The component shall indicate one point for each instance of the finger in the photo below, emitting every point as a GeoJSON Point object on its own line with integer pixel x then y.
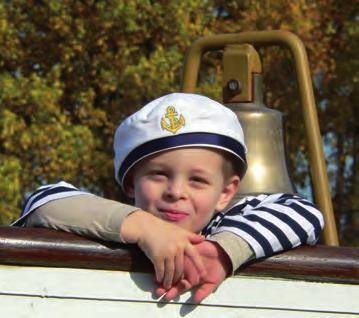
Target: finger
{"type": "Point", "coordinates": [182, 286]}
{"type": "Point", "coordinates": [203, 291]}
{"type": "Point", "coordinates": [190, 272]}
{"type": "Point", "coordinates": [178, 273]}
{"type": "Point", "coordinates": [160, 291]}
{"type": "Point", "coordinates": [159, 270]}
{"type": "Point", "coordinates": [192, 253]}
{"type": "Point", "coordinates": [169, 273]}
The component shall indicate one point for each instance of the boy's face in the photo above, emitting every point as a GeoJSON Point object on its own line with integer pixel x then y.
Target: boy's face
{"type": "Point", "coordinates": [185, 186]}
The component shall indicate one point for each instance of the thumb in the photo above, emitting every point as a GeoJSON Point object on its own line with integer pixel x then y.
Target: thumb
{"type": "Point", "coordinates": [195, 238]}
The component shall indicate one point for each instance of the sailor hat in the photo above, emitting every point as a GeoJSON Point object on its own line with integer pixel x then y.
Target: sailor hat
{"type": "Point", "coordinates": [174, 121]}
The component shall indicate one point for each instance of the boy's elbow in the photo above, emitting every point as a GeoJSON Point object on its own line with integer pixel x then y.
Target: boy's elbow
{"type": "Point", "coordinates": [317, 229]}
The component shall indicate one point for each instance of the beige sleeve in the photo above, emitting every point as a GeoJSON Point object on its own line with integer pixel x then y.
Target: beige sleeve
{"type": "Point", "coordinates": [236, 248]}
{"type": "Point", "coordinates": [87, 215]}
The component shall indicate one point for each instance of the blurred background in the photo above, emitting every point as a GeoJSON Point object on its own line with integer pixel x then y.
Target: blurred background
{"type": "Point", "coordinates": [70, 71]}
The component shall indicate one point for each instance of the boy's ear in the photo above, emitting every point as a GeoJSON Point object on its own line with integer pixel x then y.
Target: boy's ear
{"type": "Point", "coordinates": [229, 190]}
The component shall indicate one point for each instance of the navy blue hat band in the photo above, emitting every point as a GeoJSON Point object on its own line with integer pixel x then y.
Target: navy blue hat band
{"type": "Point", "coordinates": [183, 140]}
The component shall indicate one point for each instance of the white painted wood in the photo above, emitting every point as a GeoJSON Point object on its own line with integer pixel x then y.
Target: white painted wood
{"type": "Point", "coordinates": [60, 292]}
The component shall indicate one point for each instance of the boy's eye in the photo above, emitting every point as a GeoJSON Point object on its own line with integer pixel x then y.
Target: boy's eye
{"type": "Point", "coordinates": [201, 180]}
{"type": "Point", "coordinates": [157, 173]}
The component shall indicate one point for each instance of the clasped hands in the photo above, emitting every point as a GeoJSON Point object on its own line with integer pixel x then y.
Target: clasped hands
{"type": "Point", "coordinates": [181, 259]}
{"type": "Point", "coordinates": [217, 266]}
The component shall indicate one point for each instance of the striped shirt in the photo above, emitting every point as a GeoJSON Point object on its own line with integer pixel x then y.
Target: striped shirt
{"type": "Point", "coordinates": [268, 223]}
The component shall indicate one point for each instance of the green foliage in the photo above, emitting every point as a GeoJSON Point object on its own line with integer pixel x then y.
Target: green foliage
{"type": "Point", "coordinates": [71, 70]}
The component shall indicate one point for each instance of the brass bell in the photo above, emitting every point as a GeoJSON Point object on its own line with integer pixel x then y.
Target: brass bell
{"type": "Point", "coordinates": [263, 127]}
{"type": "Point", "coordinates": [263, 132]}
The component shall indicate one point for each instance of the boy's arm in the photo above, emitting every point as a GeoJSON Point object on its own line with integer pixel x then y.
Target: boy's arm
{"type": "Point", "coordinates": [270, 223]}
{"type": "Point", "coordinates": [264, 224]}
{"type": "Point", "coordinates": [62, 206]}
{"type": "Point", "coordinates": [92, 216]}
{"type": "Point", "coordinates": [237, 249]}
{"type": "Point", "coordinates": [84, 214]}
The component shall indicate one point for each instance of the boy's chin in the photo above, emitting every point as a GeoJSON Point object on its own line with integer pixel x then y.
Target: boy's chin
{"type": "Point", "coordinates": [181, 223]}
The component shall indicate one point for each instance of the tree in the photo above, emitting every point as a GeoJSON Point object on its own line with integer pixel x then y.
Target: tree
{"type": "Point", "coordinates": [69, 72]}
{"type": "Point", "coordinates": [339, 97]}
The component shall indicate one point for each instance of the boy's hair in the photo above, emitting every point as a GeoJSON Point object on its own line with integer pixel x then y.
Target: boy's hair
{"type": "Point", "coordinates": [229, 165]}
{"type": "Point", "coordinates": [175, 121]}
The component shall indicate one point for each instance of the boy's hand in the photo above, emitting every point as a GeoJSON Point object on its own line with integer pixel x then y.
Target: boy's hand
{"type": "Point", "coordinates": [165, 244]}
{"type": "Point", "coordinates": [218, 266]}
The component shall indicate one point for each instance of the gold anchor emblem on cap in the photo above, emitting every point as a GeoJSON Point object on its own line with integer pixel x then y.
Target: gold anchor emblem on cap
{"type": "Point", "coordinates": [174, 123]}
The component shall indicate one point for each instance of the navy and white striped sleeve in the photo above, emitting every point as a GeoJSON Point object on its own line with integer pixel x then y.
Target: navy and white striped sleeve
{"type": "Point", "coordinates": [45, 194]}
{"type": "Point", "coordinates": [271, 223]}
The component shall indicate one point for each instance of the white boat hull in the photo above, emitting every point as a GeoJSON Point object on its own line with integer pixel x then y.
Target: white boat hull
{"type": "Point", "coordinates": [69, 292]}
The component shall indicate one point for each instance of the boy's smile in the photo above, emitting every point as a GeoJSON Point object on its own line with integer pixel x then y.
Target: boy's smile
{"type": "Point", "coordinates": [185, 186]}
{"type": "Point", "coordinates": [173, 215]}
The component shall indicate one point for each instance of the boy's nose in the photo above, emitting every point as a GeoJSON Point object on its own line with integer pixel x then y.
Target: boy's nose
{"type": "Point", "coordinates": [175, 190]}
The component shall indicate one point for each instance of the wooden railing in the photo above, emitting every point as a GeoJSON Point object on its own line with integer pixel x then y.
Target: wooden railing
{"type": "Point", "coordinates": [44, 247]}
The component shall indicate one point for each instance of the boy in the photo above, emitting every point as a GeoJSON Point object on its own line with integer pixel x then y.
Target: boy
{"type": "Point", "coordinates": [181, 158]}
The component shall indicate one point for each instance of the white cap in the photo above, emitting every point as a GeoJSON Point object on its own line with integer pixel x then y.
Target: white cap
{"type": "Point", "coordinates": [174, 121]}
